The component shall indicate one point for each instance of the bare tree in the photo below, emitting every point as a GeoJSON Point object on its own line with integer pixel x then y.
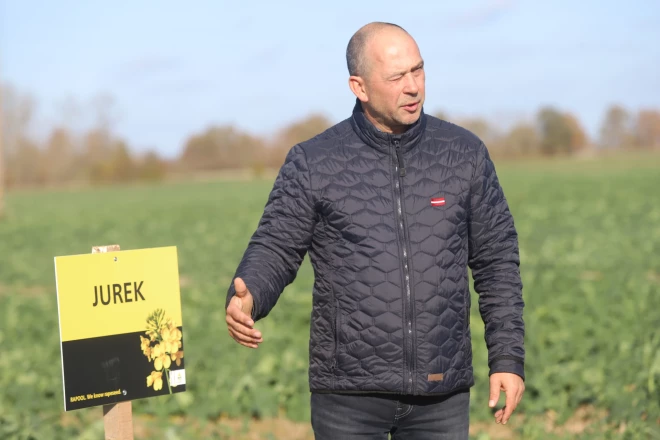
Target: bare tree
{"type": "Point", "coordinates": [221, 147]}
{"type": "Point", "coordinates": [648, 129]}
{"type": "Point", "coordinates": [294, 133]}
{"type": "Point", "coordinates": [522, 140]}
{"type": "Point", "coordinates": [555, 131]}
{"type": "Point", "coordinates": [480, 127]}
{"type": "Point", "coordinates": [616, 130]}
{"type": "Point", "coordinates": [578, 140]}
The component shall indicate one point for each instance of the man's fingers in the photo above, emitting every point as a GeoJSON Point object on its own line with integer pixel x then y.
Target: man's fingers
{"type": "Point", "coordinates": [234, 311]}
{"type": "Point", "coordinates": [513, 388]}
{"type": "Point", "coordinates": [240, 287]}
{"type": "Point", "coordinates": [247, 344]}
{"type": "Point", "coordinates": [240, 327]}
{"type": "Point", "coordinates": [248, 332]}
{"type": "Point", "coordinates": [521, 391]}
{"type": "Point", "coordinates": [242, 339]}
{"type": "Point", "coordinates": [239, 323]}
{"type": "Point", "coordinates": [239, 330]}
{"type": "Point", "coordinates": [511, 397]}
{"type": "Point", "coordinates": [243, 298]}
{"type": "Point", "coordinates": [495, 386]}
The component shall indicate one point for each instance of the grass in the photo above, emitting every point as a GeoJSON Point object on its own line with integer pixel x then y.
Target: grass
{"type": "Point", "coordinates": [590, 248]}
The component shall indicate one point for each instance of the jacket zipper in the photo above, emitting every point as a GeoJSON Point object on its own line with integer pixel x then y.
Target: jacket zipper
{"type": "Point", "coordinates": [408, 311]}
{"type": "Point", "coordinates": [335, 331]}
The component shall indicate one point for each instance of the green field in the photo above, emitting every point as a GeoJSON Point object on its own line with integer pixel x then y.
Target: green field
{"type": "Point", "coordinates": [590, 249]}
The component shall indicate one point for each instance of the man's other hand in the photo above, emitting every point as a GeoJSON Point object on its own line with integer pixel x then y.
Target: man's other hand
{"type": "Point", "coordinates": [239, 317]}
{"type": "Point", "coordinates": [513, 386]}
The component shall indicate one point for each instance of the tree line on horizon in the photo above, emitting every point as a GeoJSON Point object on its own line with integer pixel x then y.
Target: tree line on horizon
{"type": "Point", "coordinates": [97, 155]}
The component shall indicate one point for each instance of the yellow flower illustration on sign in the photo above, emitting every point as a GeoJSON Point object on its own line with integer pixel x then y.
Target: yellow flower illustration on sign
{"type": "Point", "coordinates": [176, 357]}
{"type": "Point", "coordinates": [146, 348]}
{"type": "Point", "coordinates": [163, 346]}
{"type": "Point", "coordinates": [155, 379]}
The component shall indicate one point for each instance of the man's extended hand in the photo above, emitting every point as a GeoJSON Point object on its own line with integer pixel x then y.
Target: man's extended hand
{"type": "Point", "coordinates": [513, 386]}
{"type": "Point", "coordinates": [239, 317]}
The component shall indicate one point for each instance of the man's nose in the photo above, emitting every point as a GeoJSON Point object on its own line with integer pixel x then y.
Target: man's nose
{"type": "Point", "coordinates": [411, 87]}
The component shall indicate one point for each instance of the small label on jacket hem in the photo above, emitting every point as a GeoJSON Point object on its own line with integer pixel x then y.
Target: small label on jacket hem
{"type": "Point", "coordinates": [436, 377]}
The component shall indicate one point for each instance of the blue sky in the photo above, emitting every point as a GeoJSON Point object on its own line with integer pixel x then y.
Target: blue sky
{"type": "Point", "coordinates": [173, 69]}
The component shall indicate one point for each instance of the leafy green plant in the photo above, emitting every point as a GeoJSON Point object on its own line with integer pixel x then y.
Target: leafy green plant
{"type": "Point", "coordinates": [590, 250]}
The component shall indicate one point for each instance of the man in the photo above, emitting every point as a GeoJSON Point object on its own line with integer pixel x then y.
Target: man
{"type": "Point", "coordinates": [393, 206]}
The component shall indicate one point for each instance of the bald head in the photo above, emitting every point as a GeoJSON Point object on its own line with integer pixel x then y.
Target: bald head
{"type": "Point", "coordinates": [386, 75]}
{"type": "Point", "coordinates": [356, 53]}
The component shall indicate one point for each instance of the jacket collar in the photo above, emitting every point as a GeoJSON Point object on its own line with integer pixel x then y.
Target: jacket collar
{"type": "Point", "coordinates": [382, 141]}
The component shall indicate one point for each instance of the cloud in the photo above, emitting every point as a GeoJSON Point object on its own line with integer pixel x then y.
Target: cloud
{"type": "Point", "coordinates": [483, 14]}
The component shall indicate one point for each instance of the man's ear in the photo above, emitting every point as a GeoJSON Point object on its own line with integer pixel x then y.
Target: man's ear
{"type": "Point", "coordinates": [358, 88]}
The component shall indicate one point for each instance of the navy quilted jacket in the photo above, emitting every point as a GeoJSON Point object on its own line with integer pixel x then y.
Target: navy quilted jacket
{"type": "Point", "coordinates": [391, 224]}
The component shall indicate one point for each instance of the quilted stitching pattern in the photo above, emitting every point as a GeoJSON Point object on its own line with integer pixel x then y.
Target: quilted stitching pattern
{"type": "Point", "coordinates": [334, 199]}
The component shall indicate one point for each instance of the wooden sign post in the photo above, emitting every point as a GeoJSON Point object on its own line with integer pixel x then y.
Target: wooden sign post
{"type": "Point", "coordinates": [121, 331]}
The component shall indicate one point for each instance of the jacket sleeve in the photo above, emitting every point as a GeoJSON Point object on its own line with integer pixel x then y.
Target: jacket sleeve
{"type": "Point", "coordinates": [494, 260]}
{"type": "Point", "coordinates": [282, 238]}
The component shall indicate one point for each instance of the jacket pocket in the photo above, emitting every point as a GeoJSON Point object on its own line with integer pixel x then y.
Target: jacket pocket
{"type": "Point", "coordinates": [467, 318]}
{"type": "Point", "coordinates": [335, 330]}
{"type": "Point", "coordinates": [467, 306]}
{"type": "Point", "coordinates": [467, 344]}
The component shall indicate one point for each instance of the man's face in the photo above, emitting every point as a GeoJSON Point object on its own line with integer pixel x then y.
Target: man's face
{"type": "Point", "coordinates": [394, 82]}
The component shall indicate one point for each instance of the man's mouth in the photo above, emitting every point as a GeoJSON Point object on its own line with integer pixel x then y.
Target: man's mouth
{"type": "Point", "coordinates": [411, 107]}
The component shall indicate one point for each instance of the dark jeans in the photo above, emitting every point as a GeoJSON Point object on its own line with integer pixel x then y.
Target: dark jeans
{"type": "Point", "coordinates": [374, 416]}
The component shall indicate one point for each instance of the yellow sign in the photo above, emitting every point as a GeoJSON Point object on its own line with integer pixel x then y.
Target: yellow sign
{"type": "Point", "coordinates": [120, 325]}
{"type": "Point", "coordinates": [110, 293]}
